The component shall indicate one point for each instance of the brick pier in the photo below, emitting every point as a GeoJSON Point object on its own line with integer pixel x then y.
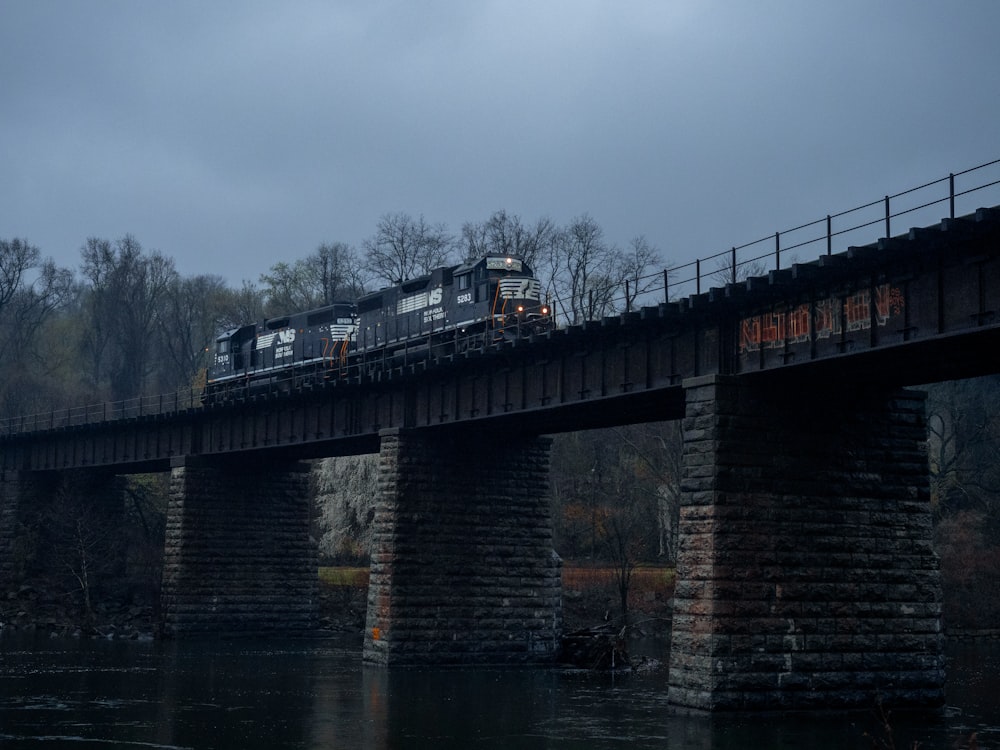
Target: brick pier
{"type": "Point", "coordinates": [806, 575]}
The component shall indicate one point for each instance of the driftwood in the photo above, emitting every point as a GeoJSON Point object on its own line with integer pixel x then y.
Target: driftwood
{"type": "Point", "coordinates": [601, 647]}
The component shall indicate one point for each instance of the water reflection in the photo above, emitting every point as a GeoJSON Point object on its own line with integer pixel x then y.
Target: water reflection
{"type": "Point", "coordinates": [304, 694]}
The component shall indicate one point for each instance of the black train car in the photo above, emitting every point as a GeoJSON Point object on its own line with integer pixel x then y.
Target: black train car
{"type": "Point", "coordinates": [453, 308]}
{"type": "Point", "coordinates": [460, 307]}
{"type": "Point", "coordinates": [273, 351]}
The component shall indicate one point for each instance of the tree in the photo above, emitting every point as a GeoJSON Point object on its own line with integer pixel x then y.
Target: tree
{"type": "Point", "coordinates": [506, 234]}
{"type": "Point", "coordinates": [404, 248]}
{"type": "Point", "coordinates": [125, 294]}
{"type": "Point", "coordinates": [640, 270]}
{"type": "Point", "coordinates": [241, 306]}
{"type": "Point", "coordinates": [733, 273]}
{"type": "Point", "coordinates": [346, 490]}
{"type": "Point", "coordinates": [964, 446]}
{"type": "Point", "coordinates": [586, 274]}
{"type": "Point", "coordinates": [964, 454]}
{"type": "Point", "coordinates": [194, 307]}
{"type": "Point", "coordinates": [32, 290]}
{"type": "Point", "coordinates": [333, 273]}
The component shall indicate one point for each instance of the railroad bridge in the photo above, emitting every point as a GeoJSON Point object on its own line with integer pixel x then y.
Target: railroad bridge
{"type": "Point", "coordinates": [806, 576]}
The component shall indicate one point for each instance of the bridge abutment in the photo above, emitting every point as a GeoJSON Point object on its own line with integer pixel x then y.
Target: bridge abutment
{"type": "Point", "coordinates": [463, 569]}
{"type": "Point", "coordinates": [238, 557]}
{"type": "Point", "coordinates": [806, 575]}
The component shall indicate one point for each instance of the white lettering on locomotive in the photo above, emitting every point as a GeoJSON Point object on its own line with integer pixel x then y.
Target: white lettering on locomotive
{"type": "Point", "coordinates": [284, 336]}
{"type": "Point", "coordinates": [436, 314]}
{"type": "Point", "coordinates": [419, 301]}
{"type": "Point", "coordinates": [520, 289]}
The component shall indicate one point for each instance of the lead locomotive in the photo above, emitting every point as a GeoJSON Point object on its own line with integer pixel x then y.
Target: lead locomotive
{"type": "Point", "coordinates": [450, 310]}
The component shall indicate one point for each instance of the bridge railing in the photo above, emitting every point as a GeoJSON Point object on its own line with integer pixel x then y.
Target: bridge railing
{"type": "Point", "coordinates": [131, 408]}
{"type": "Point", "coordinates": [920, 205]}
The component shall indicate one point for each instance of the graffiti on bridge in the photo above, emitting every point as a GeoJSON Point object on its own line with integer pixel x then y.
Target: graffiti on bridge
{"type": "Point", "coordinates": [827, 317]}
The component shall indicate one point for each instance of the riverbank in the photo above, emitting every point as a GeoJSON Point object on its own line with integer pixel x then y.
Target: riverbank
{"type": "Point", "coordinates": [590, 600]}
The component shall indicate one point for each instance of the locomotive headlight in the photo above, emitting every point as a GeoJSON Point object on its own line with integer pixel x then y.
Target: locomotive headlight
{"type": "Point", "coordinates": [545, 309]}
{"type": "Point", "coordinates": [520, 308]}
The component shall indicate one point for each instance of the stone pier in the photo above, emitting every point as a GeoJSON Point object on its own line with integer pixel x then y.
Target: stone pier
{"type": "Point", "coordinates": [238, 557]}
{"type": "Point", "coordinates": [463, 570]}
{"type": "Point", "coordinates": [806, 575]}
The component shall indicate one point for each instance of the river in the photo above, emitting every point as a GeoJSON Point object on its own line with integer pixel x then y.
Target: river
{"type": "Point", "coordinates": [80, 693]}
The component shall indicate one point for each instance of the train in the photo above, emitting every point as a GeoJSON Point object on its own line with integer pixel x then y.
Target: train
{"type": "Point", "coordinates": [452, 309]}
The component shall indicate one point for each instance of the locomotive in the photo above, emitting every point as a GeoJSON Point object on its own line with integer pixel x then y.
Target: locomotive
{"type": "Point", "coordinates": [452, 309]}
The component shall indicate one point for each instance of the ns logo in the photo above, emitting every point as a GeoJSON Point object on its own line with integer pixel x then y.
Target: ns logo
{"type": "Point", "coordinates": [286, 336]}
{"type": "Point", "coordinates": [435, 296]}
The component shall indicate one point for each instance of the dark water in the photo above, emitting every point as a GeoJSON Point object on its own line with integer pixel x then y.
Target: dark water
{"type": "Point", "coordinates": [316, 694]}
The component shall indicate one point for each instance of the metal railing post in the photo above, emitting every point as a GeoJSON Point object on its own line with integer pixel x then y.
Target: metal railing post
{"type": "Point", "coordinates": [829, 235]}
{"type": "Point", "coordinates": [697, 276]}
{"type": "Point", "coordinates": [733, 263]}
{"type": "Point", "coordinates": [777, 251]}
{"type": "Point", "coordinates": [888, 232]}
{"type": "Point", "coordinates": [951, 194]}
{"type": "Point", "coordinates": [666, 286]}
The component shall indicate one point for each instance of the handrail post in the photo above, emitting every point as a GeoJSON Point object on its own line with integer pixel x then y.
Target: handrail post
{"type": "Point", "coordinates": [666, 286]}
{"type": "Point", "coordinates": [697, 276]}
{"type": "Point", "coordinates": [733, 262]}
{"type": "Point", "coordinates": [628, 301]}
{"type": "Point", "coordinates": [888, 232]}
{"type": "Point", "coordinates": [951, 193]}
{"type": "Point", "coordinates": [829, 235]}
{"type": "Point", "coordinates": [777, 251]}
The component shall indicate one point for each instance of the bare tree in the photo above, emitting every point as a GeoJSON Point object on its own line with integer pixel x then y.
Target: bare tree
{"type": "Point", "coordinates": [195, 308]}
{"type": "Point", "coordinates": [346, 489]}
{"type": "Point", "coordinates": [333, 273]}
{"type": "Point", "coordinates": [582, 269]}
{"type": "Point", "coordinates": [126, 290]}
{"type": "Point", "coordinates": [404, 248]}
{"type": "Point", "coordinates": [31, 291]}
{"type": "Point", "coordinates": [641, 270]}
{"type": "Point", "coordinates": [507, 234]}
{"type": "Point", "coordinates": [240, 306]}
{"type": "Point", "coordinates": [733, 272]}
{"type": "Point", "coordinates": [27, 297]}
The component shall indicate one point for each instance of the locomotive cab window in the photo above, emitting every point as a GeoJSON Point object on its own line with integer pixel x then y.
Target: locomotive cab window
{"type": "Point", "coordinates": [222, 347]}
{"type": "Point", "coordinates": [464, 281]}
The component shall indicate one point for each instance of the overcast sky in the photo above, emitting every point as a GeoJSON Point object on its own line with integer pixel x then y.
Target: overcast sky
{"type": "Point", "coordinates": [231, 135]}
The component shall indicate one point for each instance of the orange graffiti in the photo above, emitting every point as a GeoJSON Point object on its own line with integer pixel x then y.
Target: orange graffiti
{"type": "Point", "coordinates": [823, 318]}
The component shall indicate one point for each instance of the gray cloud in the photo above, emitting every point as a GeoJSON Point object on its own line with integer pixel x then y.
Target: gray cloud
{"type": "Point", "coordinates": [230, 135]}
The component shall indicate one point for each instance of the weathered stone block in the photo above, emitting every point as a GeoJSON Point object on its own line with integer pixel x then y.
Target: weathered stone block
{"type": "Point", "coordinates": [463, 551]}
{"type": "Point", "coordinates": [804, 521]}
